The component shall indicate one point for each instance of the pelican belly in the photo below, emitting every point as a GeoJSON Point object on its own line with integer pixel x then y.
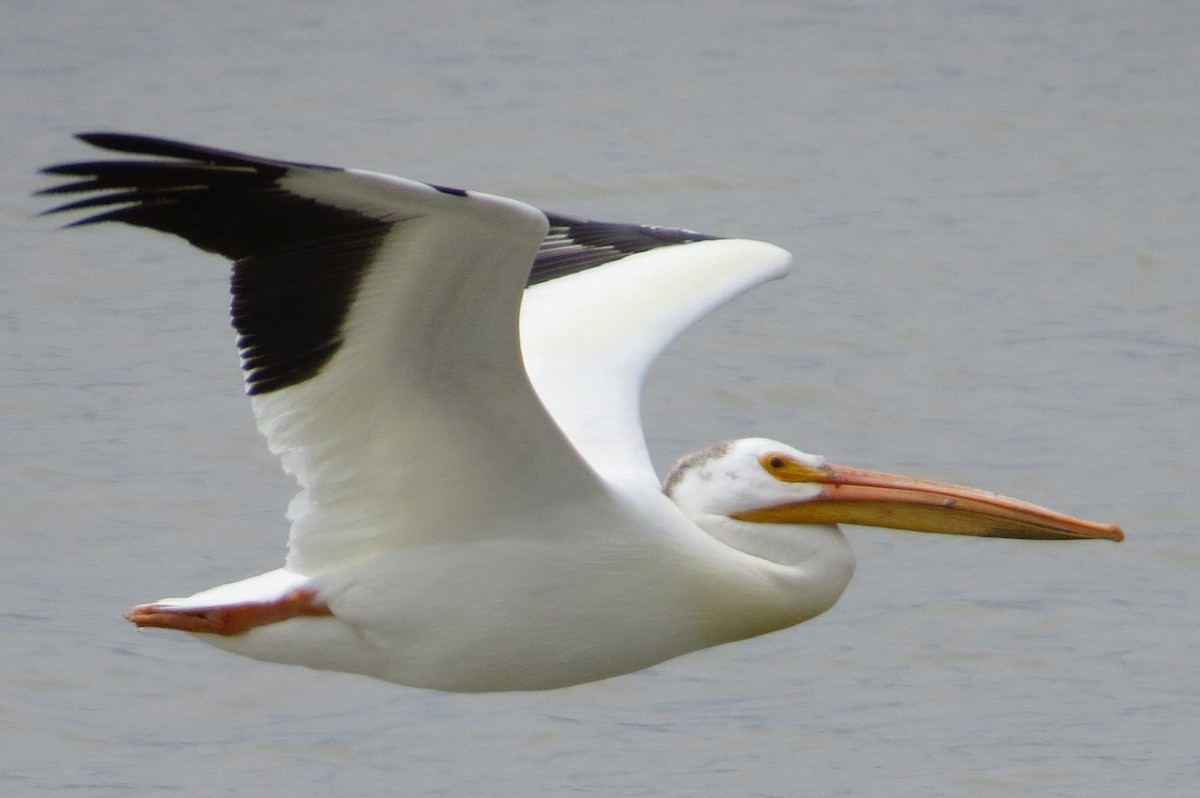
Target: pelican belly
{"type": "Point", "coordinates": [512, 614]}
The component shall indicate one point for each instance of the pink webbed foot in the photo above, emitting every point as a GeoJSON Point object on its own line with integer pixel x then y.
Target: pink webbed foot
{"type": "Point", "coordinates": [228, 619]}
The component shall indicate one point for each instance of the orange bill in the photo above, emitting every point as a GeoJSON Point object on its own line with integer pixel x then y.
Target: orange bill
{"type": "Point", "coordinates": [875, 498]}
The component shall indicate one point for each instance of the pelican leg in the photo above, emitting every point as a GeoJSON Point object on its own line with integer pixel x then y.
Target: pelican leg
{"type": "Point", "coordinates": [228, 619]}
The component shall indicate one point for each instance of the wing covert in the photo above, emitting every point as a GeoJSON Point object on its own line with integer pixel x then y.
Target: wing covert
{"type": "Point", "coordinates": [589, 337]}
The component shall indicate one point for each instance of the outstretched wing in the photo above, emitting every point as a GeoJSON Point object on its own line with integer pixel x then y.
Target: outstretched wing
{"type": "Point", "coordinates": [620, 295]}
{"type": "Point", "coordinates": [377, 323]}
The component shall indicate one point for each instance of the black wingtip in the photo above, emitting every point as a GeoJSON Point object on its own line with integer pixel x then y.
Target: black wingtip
{"type": "Point", "coordinates": [137, 144]}
{"type": "Point", "coordinates": [98, 137]}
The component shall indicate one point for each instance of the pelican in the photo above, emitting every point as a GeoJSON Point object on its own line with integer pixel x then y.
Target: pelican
{"type": "Point", "coordinates": [453, 378]}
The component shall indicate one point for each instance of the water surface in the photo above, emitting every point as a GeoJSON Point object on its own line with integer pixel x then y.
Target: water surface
{"type": "Point", "coordinates": [994, 212]}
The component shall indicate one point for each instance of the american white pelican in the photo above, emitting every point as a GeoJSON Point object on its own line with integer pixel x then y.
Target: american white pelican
{"type": "Point", "coordinates": [477, 509]}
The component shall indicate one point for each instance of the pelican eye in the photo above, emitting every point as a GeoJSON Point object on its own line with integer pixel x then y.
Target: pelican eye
{"type": "Point", "coordinates": [788, 469]}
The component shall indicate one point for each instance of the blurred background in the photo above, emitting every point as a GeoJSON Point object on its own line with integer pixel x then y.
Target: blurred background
{"type": "Point", "coordinates": [993, 208]}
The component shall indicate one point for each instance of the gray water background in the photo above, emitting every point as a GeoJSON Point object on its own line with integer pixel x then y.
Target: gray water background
{"type": "Point", "coordinates": [993, 208]}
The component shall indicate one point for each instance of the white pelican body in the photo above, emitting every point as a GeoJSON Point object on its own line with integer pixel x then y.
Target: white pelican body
{"type": "Point", "coordinates": [514, 611]}
{"type": "Point", "coordinates": [477, 508]}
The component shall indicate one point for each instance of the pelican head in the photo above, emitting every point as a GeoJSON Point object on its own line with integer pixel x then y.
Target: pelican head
{"type": "Point", "coordinates": [761, 481]}
{"type": "Point", "coordinates": [809, 564]}
{"type": "Point", "coordinates": [782, 506]}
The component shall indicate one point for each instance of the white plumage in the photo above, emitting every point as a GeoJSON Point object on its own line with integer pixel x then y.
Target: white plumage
{"type": "Point", "coordinates": [453, 378]}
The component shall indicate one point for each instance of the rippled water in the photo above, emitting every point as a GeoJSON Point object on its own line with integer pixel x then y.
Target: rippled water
{"type": "Point", "coordinates": [994, 212]}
